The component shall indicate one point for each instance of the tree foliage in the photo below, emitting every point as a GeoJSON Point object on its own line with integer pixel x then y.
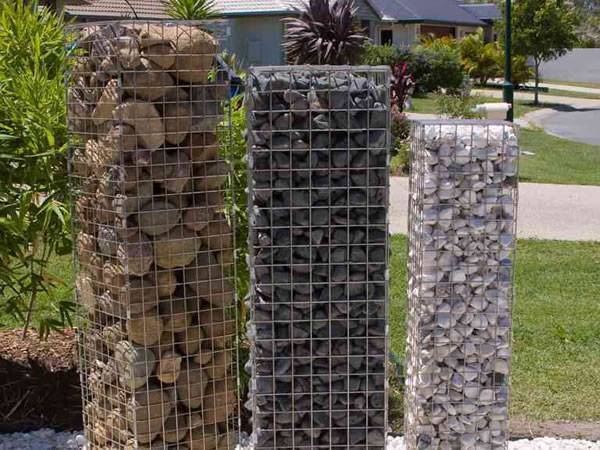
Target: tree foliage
{"type": "Point", "coordinates": [34, 218]}
{"type": "Point", "coordinates": [543, 30]}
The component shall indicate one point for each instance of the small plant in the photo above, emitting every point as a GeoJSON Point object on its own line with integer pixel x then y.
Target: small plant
{"type": "Point", "coordinates": [403, 86]}
{"type": "Point", "coordinates": [190, 9]}
{"type": "Point", "coordinates": [457, 106]}
{"type": "Point", "coordinates": [325, 33]}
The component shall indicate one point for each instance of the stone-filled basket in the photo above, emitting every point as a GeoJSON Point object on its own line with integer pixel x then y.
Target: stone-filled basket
{"type": "Point", "coordinates": [153, 243]}
{"type": "Point", "coordinates": [462, 235]}
{"type": "Point", "coordinates": [318, 150]}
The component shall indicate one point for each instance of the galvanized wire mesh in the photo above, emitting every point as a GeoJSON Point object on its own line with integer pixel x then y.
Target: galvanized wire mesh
{"type": "Point", "coordinates": [154, 245]}
{"type": "Point", "coordinates": [462, 226]}
{"type": "Point", "coordinates": [318, 146]}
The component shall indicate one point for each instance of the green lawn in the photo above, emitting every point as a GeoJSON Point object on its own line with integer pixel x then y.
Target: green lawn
{"type": "Point", "coordinates": [571, 83]}
{"type": "Point", "coordinates": [556, 329]}
{"type": "Point", "coordinates": [561, 93]}
{"type": "Point", "coordinates": [426, 104]}
{"type": "Point", "coordinates": [558, 160]}
{"type": "Point", "coordinates": [61, 270]}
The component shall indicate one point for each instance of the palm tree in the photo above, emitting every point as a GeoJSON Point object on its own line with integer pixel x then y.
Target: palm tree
{"type": "Point", "coordinates": [190, 9]}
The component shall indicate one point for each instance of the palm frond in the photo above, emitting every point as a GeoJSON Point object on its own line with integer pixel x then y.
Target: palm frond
{"type": "Point", "coordinates": [190, 9]}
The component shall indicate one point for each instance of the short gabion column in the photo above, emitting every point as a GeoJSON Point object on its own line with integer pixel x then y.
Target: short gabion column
{"type": "Point", "coordinates": [154, 245]}
{"type": "Point", "coordinates": [318, 155]}
{"type": "Point", "coordinates": [463, 200]}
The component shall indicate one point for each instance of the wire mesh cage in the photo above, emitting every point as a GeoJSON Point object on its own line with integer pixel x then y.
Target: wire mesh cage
{"type": "Point", "coordinates": [318, 145]}
{"type": "Point", "coordinates": [154, 245]}
{"type": "Point", "coordinates": [462, 233]}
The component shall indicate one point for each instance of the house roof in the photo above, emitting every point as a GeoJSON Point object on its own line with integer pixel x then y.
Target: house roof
{"type": "Point", "coordinates": [484, 11]}
{"type": "Point", "coordinates": [153, 9]}
{"type": "Point", "coordinates": [436, 11]}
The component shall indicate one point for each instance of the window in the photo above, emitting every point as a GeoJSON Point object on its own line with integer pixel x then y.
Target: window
{"type": "Point", "coordinates": [386, 37]}
{"type": "Point", "coordinates": [366, 24]}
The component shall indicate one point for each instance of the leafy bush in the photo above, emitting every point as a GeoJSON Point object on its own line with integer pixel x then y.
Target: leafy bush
{"type": "Point", "coordinates": [437, 65]}
{"type": "Point", "coordinates": [434, 65]}
{"type": "Point", "coordinates": [34, 219]}
{"type": "Point", "coordinates": [480, 60]}
{"type": "Point", "coordinates": [485, 61]}
{"type": "Point", "coordinates": [385, 55]}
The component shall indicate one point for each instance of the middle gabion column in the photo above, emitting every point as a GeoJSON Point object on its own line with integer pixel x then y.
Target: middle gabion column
{"type": "Point", "coordinates": [318, 153]}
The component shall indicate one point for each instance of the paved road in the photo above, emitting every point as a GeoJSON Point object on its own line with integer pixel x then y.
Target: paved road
{"type": "Point", "coordinates": [580, 65]}
{"type": "Point", "coordinates": [546, 211]}
{"type": "Point", "coordinates": [580, 126]}
{"type": "Point", "coordinates": [576, 119]}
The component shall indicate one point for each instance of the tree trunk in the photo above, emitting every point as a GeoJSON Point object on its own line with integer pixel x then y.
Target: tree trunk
{"type": "Point", "coordinates": [536, 100]}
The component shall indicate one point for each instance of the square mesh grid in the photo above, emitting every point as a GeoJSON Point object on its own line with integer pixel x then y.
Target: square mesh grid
{"type": "Point", "coordinates": [318, 146]}
{"type": "Point", "coordinates": [462, 233]}
{"type": "Point", "coordinates": [154, 245]}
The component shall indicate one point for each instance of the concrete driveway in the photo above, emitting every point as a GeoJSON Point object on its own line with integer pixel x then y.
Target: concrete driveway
{"type": "Point", "coordinates": [546, 211]}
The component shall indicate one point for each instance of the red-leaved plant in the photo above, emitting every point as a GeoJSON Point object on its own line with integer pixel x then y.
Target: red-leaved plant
{"type": "Point", "coordinates": [327, 32]}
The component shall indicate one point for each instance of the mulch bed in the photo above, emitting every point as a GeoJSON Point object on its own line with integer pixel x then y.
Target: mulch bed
{"type": "Point", "coordinates": [39, 383]}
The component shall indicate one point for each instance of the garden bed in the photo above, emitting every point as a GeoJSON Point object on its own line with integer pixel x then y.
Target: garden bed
{"type": "Point", "coordinates": [39, 383]}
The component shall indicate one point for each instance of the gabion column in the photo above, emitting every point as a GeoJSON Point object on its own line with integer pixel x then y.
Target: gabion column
{"type": "Point", "coordinates": [463, 201]}
{"type": "Point", "coordinates": [318, 155]}
{"type": "Point", "coordinates": [153, 244]}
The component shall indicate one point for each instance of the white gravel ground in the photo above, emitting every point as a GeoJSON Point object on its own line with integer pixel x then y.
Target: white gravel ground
{"type": "Point", "coordinates": [50, 440]}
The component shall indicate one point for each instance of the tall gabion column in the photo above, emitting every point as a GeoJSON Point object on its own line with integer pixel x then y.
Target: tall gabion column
{"type": "Point", "coordinates": [463, 200]}
{"type": "Point", "coordinates": [154, 246]}
{"type": "Point", "coordinates": [318, 155]}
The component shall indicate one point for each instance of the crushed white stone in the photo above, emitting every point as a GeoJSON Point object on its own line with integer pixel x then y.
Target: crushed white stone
{"type": "Point", "coordinates": [46, 439]}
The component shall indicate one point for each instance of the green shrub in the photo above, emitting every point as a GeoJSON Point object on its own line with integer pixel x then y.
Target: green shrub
{"type": "Point", "coordinates": [434, 64]}
{"type": "Point", "coordinates": [437, 65]}
{"type": "Point", "coordinates": [384, 55]}
{"type": "Point", "coordinates": [34, 218]}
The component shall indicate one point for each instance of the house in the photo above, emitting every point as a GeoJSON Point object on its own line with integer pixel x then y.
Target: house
{"type": "Point", "coordinates": [404, 21]}
{"type": "Point", "coordinates": [488, 13]}
{"type": "Point", "coordinates": [254, 30]}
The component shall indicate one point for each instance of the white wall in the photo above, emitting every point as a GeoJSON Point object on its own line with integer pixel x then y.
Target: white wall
{"type": "Point", "coordinates": [257, 40]}
{"type": "Point", "coordinates": [461, 32]}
